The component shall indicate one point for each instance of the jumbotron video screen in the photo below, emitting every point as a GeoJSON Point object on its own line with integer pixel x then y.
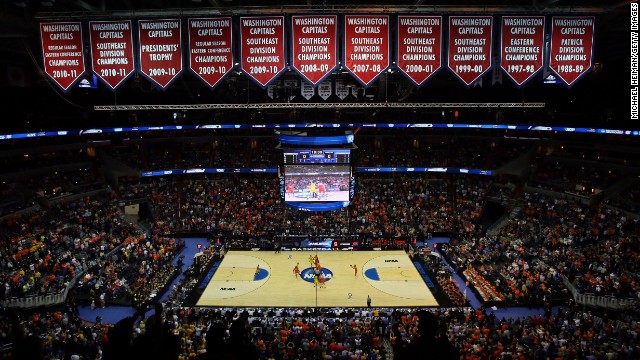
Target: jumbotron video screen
{"type": "Point", "coordinates": [317, 183]}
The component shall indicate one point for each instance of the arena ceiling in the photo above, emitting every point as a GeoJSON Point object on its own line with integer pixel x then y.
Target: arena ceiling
{"type": "Point", "coordinates": [600, 98]}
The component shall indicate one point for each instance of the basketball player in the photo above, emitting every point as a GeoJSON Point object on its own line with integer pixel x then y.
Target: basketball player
{"type": "Point", "coordinates": [313, 190]}
{"type": "Point", "coordinates": [311, 261]}
{"type": "Point", "coordinates": [322, 190]}
{"type": "Point", "coordinates": [355, 269]}
{"type": "Point", "coordinates": [258, 270]}
{"type": "Point", "coordinates": [296, 270]}
{"type": "Point", "coordinates": [322, 279]}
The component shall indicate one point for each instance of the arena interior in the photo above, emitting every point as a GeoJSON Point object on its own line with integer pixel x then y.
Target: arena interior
{"type": "Point", "coordinates": [259, 203]}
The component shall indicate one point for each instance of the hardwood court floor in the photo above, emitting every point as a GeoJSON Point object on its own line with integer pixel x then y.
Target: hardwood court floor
{"type": "Point", "coordinates": [389, 277]}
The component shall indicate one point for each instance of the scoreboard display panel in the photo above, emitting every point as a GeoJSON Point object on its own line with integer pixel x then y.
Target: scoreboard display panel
{"type": "Point", "coordinates": [317, 156]}
{"type": "Point", "coordinates": [316, 182]}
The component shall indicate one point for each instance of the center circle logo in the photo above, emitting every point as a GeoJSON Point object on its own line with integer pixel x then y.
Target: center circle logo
{"type": "Point", "coordinates": [309, 273]}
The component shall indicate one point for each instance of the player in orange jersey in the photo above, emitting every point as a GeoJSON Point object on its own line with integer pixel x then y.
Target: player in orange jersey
{"type": "Point", "coordinates": [296, 270]}
{"type": "Point", "coordinates": [355, 269]}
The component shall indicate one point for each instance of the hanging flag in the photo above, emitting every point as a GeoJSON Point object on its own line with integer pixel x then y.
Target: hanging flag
{"type": "Point", "coordinates": [112, 51]}
{"type": "Point", "coordinates": [262, 47]}
{"type": "Point", "coordinates": [62, 52]}
{"type": "Point", "coordinates": [210, 49]}
{"type": "Point", "coordinates": [419, 45]}
{"type": "Point", "coordinates": [469, 55]}
{"type": "Point", "coordinates": [324, 89]}
{"type": "Point", "coordinates": [341, 90]}
{"type": "Point", "coordinates": [160, 50]}
{"type": "Point", "coordinates": [571, 46]}
{"type": "Point", "coordinates": [314, 50]}
{"type": "Point", "coordinates": [521, 47]}
{"type": "Point", "coordinates": [306, 90]}
{"type": "Point", "coordinates": [366, 46]}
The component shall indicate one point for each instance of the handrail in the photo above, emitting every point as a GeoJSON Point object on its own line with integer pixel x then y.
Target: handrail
{"type": "Point", "coordinates": [43, 300]}
{"type": "Point", "coordinates": [607, 302]}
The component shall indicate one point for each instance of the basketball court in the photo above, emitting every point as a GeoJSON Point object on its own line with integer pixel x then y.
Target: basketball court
{"type": "Point", "coordinates": [264, 278]}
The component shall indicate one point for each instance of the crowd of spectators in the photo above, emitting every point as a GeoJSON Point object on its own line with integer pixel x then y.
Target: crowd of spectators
{"type": "Point", "coordinates": [246, 152]}
{"type": "Point", "coordinates": [232, 151]}
{"type": "Point", "coordinates": [409, 206]}
{"type": "Point", "coordinates": [334, 333]}
{"type": "Point", "coordinates": [42, 251]}
{"type": "Point", "coordinates": [553, 237]}
{"type": "Point", "coordinates": [334, 222]}
{"type": "Point", "coordinates": [136, 272]}
{"type": "Point", "coordinates": [57, 333]}
{"type": "Point", "coordinates": [569, 334]}
{"type": "Point", "coordinates": [437, 152]}
{"type": "Point", "coordinates": [444, 277]}
{"type": "Point", "coordinates": [192, 275]}
{"type": "Point", "coordinates": [258, 151]}
{"type": "Point", "coordinates": [252, 206]}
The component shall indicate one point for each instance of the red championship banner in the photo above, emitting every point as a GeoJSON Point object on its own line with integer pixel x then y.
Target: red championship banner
{"type": "Point", "coordinates": [521, 46]}
{"type": "Point", "coordinates": [262, 47]}
{"type": "Point", "coordinates": [366, 46]}
{"type": "Point", "coordinates": [315, 46]}
{"type": "Point", "coordinates": [469, 55]}
{"type": "Point", "coordinates": [419, 46]}
{"type": "Point", "coordinates": [62, 52]}
{"type": "Point", "coordinates": [571, 46]}
{"type": "Point", "coordinates": [210, 44]}
{"type": "Point", "coordinates": [160, 50]}
{"type": "Point", "coordinates": [111, 51]}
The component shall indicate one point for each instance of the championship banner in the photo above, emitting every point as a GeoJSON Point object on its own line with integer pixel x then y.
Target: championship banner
{"type": "Point", "coordinates": [262, 47]}
{"type": "Point", "coordinates": [419, 46]}
{"type": "Point", "coordinates": [521, 47]}
{"type": "Point", "coordinates": [342, 91]}
{"type": "Point", "coordinates": [324, 89]}
{"type": "Point", "coordinates": [112, 51]}
{"type": "Point", "coordinates": [314, 46]}
{"type": "Point", "coordinates": [210, 44]}
{"type": "Point", "coordinates": [571, 46]}
{"type": "Point", "coordinates": [306, 90]}
{"type": "Point", "coordinates": [469, 55]}
{"type": "Point", "coordinates": [366, 46]}
{"type": "Point", "coordinates": [62, 52]}
{"type": "Point", "coordinates": [160, 50]}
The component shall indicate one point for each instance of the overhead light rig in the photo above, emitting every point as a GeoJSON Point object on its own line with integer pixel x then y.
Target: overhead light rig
{"type": "Point", "coordinates": [320, 106]}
